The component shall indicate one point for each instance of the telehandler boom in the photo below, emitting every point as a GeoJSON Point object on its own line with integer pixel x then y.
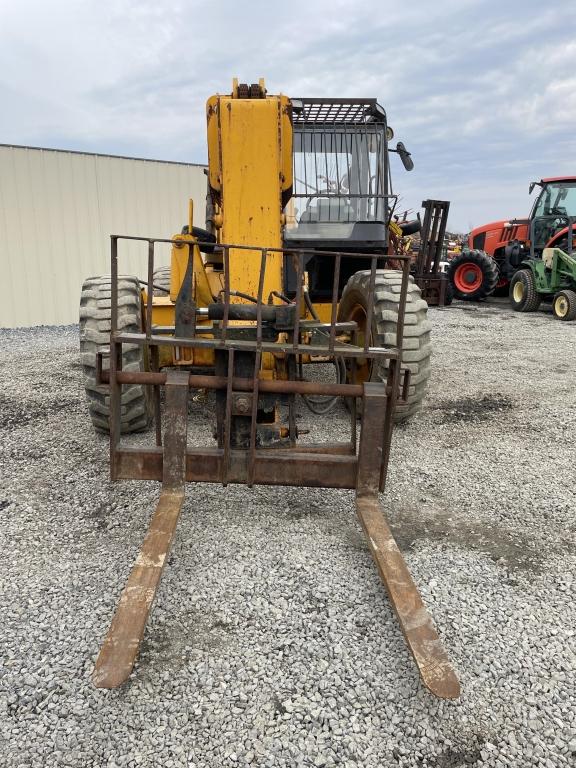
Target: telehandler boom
{"type": "Point", "coordinates": [291, 269]}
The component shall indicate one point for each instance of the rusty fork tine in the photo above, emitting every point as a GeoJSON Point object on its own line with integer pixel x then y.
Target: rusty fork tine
{"type": "Point", "coordinates": [122, 643]}
{"type": "Point", "coordinates": [415, 622]}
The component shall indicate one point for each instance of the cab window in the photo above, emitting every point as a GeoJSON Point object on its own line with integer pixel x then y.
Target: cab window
{"type": "Point", "coordinates": [556, 199]}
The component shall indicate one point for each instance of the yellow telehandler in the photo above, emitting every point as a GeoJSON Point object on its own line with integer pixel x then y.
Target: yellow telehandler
{"type": "Point", "coordinates": [290, 270]}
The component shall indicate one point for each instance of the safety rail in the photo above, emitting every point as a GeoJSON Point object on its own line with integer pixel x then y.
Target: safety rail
{"type": "Point", "coordinates": [300, 254]}
{"type": "Point", "coordinates": [301, 336]}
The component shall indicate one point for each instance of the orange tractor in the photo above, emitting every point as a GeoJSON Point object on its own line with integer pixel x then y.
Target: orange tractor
{"type": "Point", "coordinates": [496, 251]}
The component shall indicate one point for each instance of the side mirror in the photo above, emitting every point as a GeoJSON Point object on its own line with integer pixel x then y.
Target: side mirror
{"type": "Point", "coordinates": [531, 187]}
{"type": "Point", "coordinates": [405, 156]}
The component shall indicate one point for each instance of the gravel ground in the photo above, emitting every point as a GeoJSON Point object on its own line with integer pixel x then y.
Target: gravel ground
{"type": "Point", "coordinates": [272, 642]}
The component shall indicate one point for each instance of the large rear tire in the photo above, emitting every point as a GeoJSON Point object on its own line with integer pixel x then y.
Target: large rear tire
{"type": "Point", "coordinates": [383, 324]}
{"type": "Point", "coordinates": [523, 294]}
{"type": "Point", "coordinates": [473, 275]}
{"type": "Point", "coordinates": [95, 324]}
{"type": "Point", "coordinates": [161, 280]}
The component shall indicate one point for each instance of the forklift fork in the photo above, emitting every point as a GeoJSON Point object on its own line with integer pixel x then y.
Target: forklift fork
{"type": "Point", "coordinates": [121, 646]}
{"type": "Point", "coordinates": [415, 622]}
{"type": "Point", "coordinates": [360, 465]}
{"type": "Point", "coordinates": [122, 643]}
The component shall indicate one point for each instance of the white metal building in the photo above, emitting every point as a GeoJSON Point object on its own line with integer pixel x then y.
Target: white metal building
{"type": "Point", "coordinates": [57, 212]}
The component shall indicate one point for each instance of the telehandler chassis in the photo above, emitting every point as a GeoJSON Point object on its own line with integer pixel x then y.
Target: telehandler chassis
{"type": "Point", "coordinates": [360, 464]}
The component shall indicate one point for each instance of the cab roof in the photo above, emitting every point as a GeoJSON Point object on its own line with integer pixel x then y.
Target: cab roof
{"type": "Point", "coordinates": [558, 178]}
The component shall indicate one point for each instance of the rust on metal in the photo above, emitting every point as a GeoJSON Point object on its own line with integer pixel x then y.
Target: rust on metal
{"type": "Point", "coordinates": [239, 384]}
{"type": "Point", "coordinates": [155, 366]}
{"type": "Point", "coordinates": [243, 456]}
{"type": "Point", "coordinates": [415, 621]}
{"type": "Point", "coordinates": [254, 410]}
{"type": "Point", "coordinates": [122, 643]}
{"type": "Point", "coordinates": [427, 275]}
{"type": "Point", "coordinates": [227, 420]}
{"type": "Point", "coordinates": [271, 467]}
{"type": "Point", "coordinates": [120, 648]}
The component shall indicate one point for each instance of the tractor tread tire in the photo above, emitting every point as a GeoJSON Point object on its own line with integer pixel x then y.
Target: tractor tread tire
{"type": "Point", "coordinates": [161, 278]}
{"type": "Point", "coordinates": [531, 299]}
{"type": "Point", "coordinates": [490, 274]}
{"type": "Point", "coordinates": [570, 297]}
{"type": "Point", "coordinates": [95, 325]}
{"type": "Point", "coordinates": [416, 339]}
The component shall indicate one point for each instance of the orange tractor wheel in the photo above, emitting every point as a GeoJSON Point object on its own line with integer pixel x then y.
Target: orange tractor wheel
{"type": "Point", "coordinates": [473, 275]}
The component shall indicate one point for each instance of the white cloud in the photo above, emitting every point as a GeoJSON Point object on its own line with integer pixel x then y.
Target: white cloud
{"type": "Point", "coordinates": [484, 95]}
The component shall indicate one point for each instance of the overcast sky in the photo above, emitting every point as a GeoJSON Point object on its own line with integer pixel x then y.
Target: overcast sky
{"type": "Point", "coordinates": [482, 92]}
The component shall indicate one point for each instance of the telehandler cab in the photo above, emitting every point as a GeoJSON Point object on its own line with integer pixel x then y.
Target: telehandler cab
{"type": "Point", "coordinates": [290, 270]}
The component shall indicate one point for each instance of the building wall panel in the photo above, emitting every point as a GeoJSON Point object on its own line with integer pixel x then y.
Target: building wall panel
{"type": "Point", "coordinates": [57, 212]}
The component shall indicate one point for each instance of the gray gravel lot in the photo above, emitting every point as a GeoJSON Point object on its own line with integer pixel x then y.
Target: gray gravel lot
{"type": "Point", "coordinates": [272, 642]}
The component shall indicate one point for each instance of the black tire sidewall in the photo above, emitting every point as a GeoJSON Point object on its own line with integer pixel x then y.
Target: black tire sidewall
{"type": "Point", "coordinates": [383, 324]}
{"type": "Point", "coordinates": [525, 277]}
{"type": "Point", "coordinates": [518, 277]}
{"type": "Point", "coordinates": [350, 299]}
{"type": "Point", "coordinates": [489, 274]}
{"type": "Point", "coordinates": [570, 297]}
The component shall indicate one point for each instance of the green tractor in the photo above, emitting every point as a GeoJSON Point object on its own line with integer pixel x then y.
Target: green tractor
{"type": "Point", "coordinates": [550, 278]}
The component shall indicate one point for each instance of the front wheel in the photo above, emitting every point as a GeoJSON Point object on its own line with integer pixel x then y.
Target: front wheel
{"type": "Point", "coordinates": [523, 294]}
{"type": "Point", "coordinates": [416, 346]}
{"type": "Point", "coordinates": [95, 324]}
{"type": "Point", "coordinates": [564, 305]}
{"type": "Point", "coordinates": [161, 281]}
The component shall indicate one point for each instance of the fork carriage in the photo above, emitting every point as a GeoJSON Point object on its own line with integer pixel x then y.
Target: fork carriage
{"type": "Point", "coordinates": [258, 349]}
